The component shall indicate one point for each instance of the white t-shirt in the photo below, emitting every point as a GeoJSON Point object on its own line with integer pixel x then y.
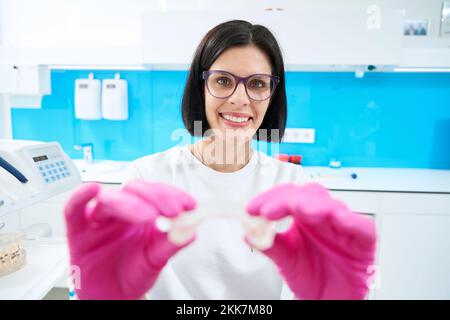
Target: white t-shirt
{"type": "Point", "coordinates": [218, 264]}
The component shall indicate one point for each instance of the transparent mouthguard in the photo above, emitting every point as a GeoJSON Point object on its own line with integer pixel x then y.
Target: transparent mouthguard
{"type": "Point", "coordinates": [260, 231]}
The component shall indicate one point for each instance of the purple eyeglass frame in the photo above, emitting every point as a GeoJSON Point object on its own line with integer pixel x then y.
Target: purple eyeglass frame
{"type": "Point", "coordinates": [275, 79]}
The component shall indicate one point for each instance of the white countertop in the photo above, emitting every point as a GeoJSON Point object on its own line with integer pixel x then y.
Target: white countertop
{"type": "Point", "coordinates": [382, 179]}
{"type": "Point", "coordinates": [47, 261]}
{"type": "Point", "coordinates": [368, 179]}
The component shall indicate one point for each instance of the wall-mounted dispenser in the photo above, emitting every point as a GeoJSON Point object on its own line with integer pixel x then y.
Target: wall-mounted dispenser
{"type": "Point", "coordinates": [87, 98]}
{"type": "Point", "coordinates": [115, 99]}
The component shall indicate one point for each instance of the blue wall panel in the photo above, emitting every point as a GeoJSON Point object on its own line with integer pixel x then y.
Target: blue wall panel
{"type": "Point", "coordinates": [381, 120]}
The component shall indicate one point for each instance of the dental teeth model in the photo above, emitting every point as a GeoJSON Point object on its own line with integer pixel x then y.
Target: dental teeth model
{"type": "Point", "coordinates": [12, 254]}
{"type": "Point", "coordinates": [260, 231]}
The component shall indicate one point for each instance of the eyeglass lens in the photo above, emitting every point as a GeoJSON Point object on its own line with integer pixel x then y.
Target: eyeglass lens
{"type": "Point", "coordinates": [222, 85]}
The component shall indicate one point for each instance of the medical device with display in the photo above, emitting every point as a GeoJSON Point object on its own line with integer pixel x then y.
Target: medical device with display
{"type": "Point", "coordinates": [33, 171]}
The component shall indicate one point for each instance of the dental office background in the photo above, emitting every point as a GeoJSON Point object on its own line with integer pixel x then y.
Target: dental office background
{"type": "Point", "coordinates": [379, 105]}
{"type": "Point", "coordinates": [382, 119]}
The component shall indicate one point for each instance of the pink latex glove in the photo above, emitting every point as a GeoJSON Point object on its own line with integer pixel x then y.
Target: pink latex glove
{"type": "Point", "coordinates": [115, 242]}
{"type": "Point", "coordinates": [326, 252]}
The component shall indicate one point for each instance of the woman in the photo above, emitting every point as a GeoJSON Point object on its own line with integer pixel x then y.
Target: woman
{"type": "Point", "coordinates": [235, 91]}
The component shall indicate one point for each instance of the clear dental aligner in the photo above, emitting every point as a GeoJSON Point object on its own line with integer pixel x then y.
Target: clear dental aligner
{"type": "Point", "coordinates": [12, 254]}
{"type": "Point", "coordinates": [260, 231]}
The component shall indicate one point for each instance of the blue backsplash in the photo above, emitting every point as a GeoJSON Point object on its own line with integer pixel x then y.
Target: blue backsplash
{"type": "Point", "coordinates": [381, 120]}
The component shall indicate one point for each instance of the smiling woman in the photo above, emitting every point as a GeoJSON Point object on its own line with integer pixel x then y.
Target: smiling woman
{"type": "Point", "coordinates": [235, 92]}
{"type": "Point", "coordinates": [245, 54]}
{"type": "Point", "coordinates": [234, 103]}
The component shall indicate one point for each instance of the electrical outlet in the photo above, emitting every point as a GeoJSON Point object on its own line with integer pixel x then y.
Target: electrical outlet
{"type": "Point", "coordinates": [299, 135]}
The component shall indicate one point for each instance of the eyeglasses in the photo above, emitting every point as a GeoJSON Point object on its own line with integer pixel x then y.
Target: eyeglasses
{"type": "Point", "coordinates": [222, 84]}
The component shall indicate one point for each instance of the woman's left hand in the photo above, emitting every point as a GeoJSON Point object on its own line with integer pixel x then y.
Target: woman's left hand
{"type": "Point", "coordinates": [326, 252]}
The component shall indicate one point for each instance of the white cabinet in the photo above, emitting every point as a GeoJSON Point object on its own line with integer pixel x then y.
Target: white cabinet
{"type": "Point", "coordinates": [360, 201]}
{"type": "Point", "coordinates": [414, 246]}
{"type": "Point", "coordinates": [20, 86]}
{"type": "Point", "coordinates": [312, 33]}
{"type": "Point", "coordinates": [412, 260]}
{"type": "Point", "coordinates": [66, 32]}
{"type": "Point", "coordinates": [24, 80]}
{"type": "Point", "coordinates": [341, 36]}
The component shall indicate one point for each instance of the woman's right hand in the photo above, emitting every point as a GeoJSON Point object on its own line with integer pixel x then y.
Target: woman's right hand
{"type": "Point", "coordinates": [114, 240]}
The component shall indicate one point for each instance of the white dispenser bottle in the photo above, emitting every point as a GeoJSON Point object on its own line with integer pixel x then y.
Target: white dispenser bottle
{"type": "Point", "coordinates": [115, 99]}
{"type": "Point", "coordinates": [87, 98]}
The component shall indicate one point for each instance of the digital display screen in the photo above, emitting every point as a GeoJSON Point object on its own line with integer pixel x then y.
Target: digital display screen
{"type": "Point", "coordinates": [40, 158]}
{"type": "Point", "coordinates": [110, 86]}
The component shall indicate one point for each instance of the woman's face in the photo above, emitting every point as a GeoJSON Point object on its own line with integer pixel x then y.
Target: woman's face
{"type": "Point", "coordinates": [238, 116]}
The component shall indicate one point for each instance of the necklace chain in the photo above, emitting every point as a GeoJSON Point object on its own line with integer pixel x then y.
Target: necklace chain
{"type": "Point", "coordinates": [200, 154]}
